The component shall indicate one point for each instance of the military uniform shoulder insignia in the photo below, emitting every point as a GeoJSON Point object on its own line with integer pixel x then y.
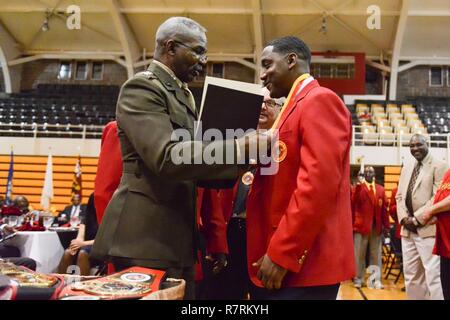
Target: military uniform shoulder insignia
{"type": "Point", "coordinates": [146, 74]}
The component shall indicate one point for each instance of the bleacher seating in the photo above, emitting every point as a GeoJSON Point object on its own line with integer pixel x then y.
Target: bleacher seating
{"type": "Point", "coordinates": [63, 108]}
{"type": "Point", "coordinates": [383, 122]}
{"type": "Point", "coordinates": [434, 113]}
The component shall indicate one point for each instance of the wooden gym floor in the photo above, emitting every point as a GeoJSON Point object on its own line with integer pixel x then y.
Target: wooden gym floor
{"type": "Point", "coordinates": [391, 291]}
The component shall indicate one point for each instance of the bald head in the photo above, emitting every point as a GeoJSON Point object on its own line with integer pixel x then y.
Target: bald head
{"type": "Point", "coordinates": [180, 29]}
{"type": "Point", "coordinates": [181, 45]}
{"type": "Point", "coordinates": [418, 146]}
{"type": "Point", "coordinates": [21, 202]}
{"type": "Point", "coordinates": [419, 137]}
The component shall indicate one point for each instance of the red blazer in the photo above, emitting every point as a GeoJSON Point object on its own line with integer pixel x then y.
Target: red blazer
{"type": "Point", "coordinates": [211, 220]}
{"type": "Point", "coordinates": [109, 169]}
{"type": "Point", "coordinates": [366, 208]}
{"type": "Point", "coordinates": [301, 216]}
{"type": "Point", "coordinates": [393, 212]}
{"type": "Point", "coordinates": [211, 224]}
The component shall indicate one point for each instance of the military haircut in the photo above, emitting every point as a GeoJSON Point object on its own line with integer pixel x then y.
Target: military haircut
{"type": "Point", "coordinates": [291, 44]}
{"type": "Point", "coordinates": [178, 28]}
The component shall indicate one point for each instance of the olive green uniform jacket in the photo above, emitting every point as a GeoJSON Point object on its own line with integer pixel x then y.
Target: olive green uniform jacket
{"type": "Point", "coordinates": [151, 216]}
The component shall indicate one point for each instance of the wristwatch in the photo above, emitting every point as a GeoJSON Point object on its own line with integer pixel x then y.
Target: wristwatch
{"type": "Point", "coordinates": [416, 223]}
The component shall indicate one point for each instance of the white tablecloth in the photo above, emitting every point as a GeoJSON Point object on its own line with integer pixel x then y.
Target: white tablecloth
{"type": "Point", "coordinates": [42, 246]}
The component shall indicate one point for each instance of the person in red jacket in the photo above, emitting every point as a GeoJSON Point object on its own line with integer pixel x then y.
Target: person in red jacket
{"type": "Point", "coordinates": [213, 245]}
{"type": "Point", "coordinates": [440, 210]}
{"type": "Point", "coordinates": [109, 169]}
{"type": "Point", "coordinates": [370, 219]}
{"type": "Point", "coordinates": [299, 223]}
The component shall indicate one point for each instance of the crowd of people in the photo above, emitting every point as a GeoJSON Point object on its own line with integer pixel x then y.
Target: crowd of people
{"type": "Point", "coordinates": [289, 235]}
{"type": "Point", "coordinates": [78, 251]}
{"type": "Point", "coordinates": [424, 238]}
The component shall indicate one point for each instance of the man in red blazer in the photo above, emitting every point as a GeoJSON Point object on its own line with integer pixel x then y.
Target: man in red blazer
{"type": "Point", "coordinates": [370, 211]}
{"type": "Point", "coordinates": [233, 283]}
{"type": "Point", "coordinates": [299, 223]}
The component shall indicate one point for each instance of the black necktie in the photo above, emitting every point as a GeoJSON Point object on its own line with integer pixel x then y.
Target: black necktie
{"type": "Point", "coordinates": [241, 199]}
{"type": "Point", "coordinates": [412, 183]}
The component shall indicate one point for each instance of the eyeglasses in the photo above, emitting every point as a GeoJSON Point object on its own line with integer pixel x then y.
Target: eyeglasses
{"type": "Point", "coordinates": [272, 104]}
{"type": "Point", "coordinates": [199, 52]}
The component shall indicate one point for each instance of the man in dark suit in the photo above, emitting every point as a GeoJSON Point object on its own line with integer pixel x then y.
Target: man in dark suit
{"type": "Point", "coordinates": [151, 220]}
{"type": "Point", "coordinates": [76, 209]}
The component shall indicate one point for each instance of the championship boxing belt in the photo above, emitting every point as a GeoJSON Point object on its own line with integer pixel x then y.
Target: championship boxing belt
{"type": "Point", "coordinates": [132, 283]}
{"type": "Point", "coordinates": [25, 284]}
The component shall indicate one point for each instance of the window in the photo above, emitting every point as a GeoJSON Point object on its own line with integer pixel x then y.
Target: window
{"type": "Point", "coordinates": [315, 70]}
{"type": "Point", "coordinates": [97, 70]}
{"type": "Point", "coordinates": [81, 73]}
{"type": "Point", "coordinates": [217, 70]}
{"type": "Point", "coordinates": [333, 70]}
{"type": "Point", "coordinates": [436, 77]}
{"type": "Point", "coordinates": [343, 71]}
{"type": "Point", "coordinates": [325, 71]}
{"type": "Point", "coordinates": [448, 76]}
{"type": "Point", "coordinates": [64, 70]}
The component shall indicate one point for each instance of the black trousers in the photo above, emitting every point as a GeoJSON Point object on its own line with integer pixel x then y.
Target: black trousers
{"type": "Point", "coordinates": [233, 283]}
{"type": "Point", "coordinates": [188, 273]}
{"type": "Point", "coordinates": [445, 277]}
{"type": "Point", "coordinates": [8, 251]}
{"type": "Point", "coordinates": [299, 293]}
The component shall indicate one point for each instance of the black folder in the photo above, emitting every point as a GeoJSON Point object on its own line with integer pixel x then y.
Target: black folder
{"type": "Point", "coordinates": [228, 104]}
{"type": "Point", "coordinates": [230, 108]}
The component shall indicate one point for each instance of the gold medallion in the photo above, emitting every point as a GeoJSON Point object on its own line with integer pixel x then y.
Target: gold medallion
{"type": "Point", "coordinates": [247, 178]}
{"type": "Point", "coordinates": [112, 287]}
{"type": "Point", "coordinates": [280, 151]}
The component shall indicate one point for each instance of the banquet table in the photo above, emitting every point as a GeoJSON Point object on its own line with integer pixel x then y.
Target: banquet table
{"type": "Point", "coordinates": [42, 246]}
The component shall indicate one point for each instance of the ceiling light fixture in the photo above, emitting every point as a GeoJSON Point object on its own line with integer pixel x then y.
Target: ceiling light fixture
{"type": "Point", "coordinates": [45, 26]}
{"type": "Point", "coordinates": [323, 27]}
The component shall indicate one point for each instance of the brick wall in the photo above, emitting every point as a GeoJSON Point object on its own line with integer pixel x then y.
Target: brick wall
{"type": "Point", "coordinates": [236, 71]}
{"type": "Point", "coordinates": [415, 82]}
{"type": "Point", "coordinates": [373, 81]}
{"type": "Point", "coordinates": [46, 71]}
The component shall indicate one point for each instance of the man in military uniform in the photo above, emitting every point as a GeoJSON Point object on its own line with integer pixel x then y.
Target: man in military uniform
{"type": "Point", "coordinates": [150, 221]}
